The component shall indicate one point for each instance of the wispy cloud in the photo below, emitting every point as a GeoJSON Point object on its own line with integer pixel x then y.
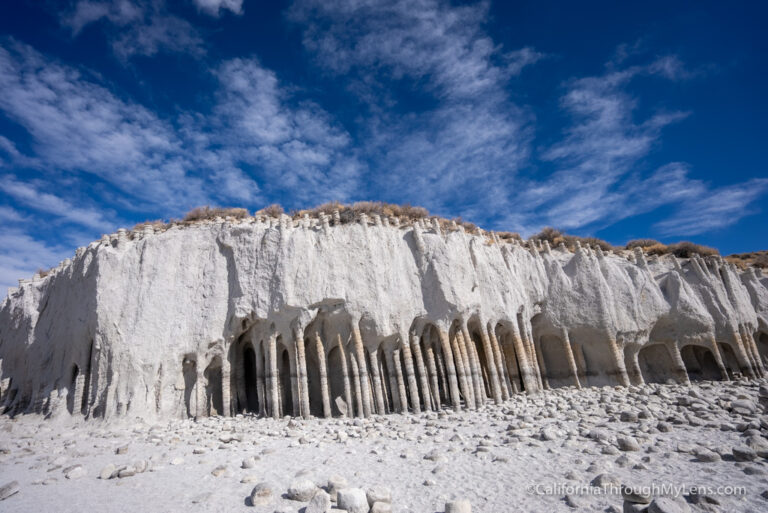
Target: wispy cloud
{"type": "Point", "coordinates": [21, 255]}
{"type": "Point", "coordinates": [216, 7]}
{"type": "Point", "coordinates": [462, 151]}
{"type": "Point", "coordinates": [31, 196]}
{"type": "Point", "coordinates": [714, 209]}
{"type": "Point", "coordinates": [143, 27]}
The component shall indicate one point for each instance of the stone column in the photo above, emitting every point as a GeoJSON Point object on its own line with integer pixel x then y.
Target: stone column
{"type": "Point", "coordinates": [477, 377]}
{"type": "Point", "coordinates": [345, 375]}
{"type": "Point", "coordinates": [200, 391]}
{"type": "Point", "coordinates": [450, 368]}
{"type": "Point", "coordinates": [493, 376]}
{"type": "Point", "coordinates": [581, 364]}
{"type": "Point", "coordinates": [529, 380]}
{"type": "Point", "coordinates": [679, 365]}
{"type": "Point", "coordinates": [542, 364]}
{"type": "Point", "coordinates": [422, 368]}
{"type": "Point", "coordinates": [633, 370]}
{"type": "Point", "coordinates": [719, 359]}
{"type": "Point", "coordinates": [618, 357]}
{"type": "Point", "coordinates": [377, 393]}
{"type": "Point", "coordinates": [509, 360]}
{"type": "Point", "coordinates": [400, 381]}
{"type": "Point", "coordinates": [530, 351]}
{"type": "Point", "coordinates": [467, 384]}
{"type": "Point", "coordinates": [356, 385]}
{"type": "Point", "coordinates": [742, 356]}
{"type": "Point", "coordinates": [226, 402]}
{"type": "Point", "coordinates": [295, 392]}
{"type": "Point", "coordinates": [362, 369]}
{"type": "Point", "coordinates": [498, 363]}
{"type": "Point", "coordinates": [301, 371]}
{"type": "Point", "coordinates": [77, 404]}
{"type": "Point", "coordinates": [432, 368]}
{"type": "Point", "coordinates": [751, 346]}
{"type": "Point", "coordinates": [413, 387]}
{"type": "Point", "coordinates": [272, 377]}
{"type": "Point", "coordinates": [262, 383]}
{"type": "Point", "coordinates": [569, 357]}
{"type": "Point", "coordinates": [323, 370]}
{"type": "Point", "coordinates": [460, 369]}
{"type": "Point", "coordinates": [393, 386]}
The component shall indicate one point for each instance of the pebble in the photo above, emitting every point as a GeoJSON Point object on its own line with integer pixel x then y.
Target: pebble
{"type": "Point", "coordinates": [743, 453]}
{"type": "Point", "coordinates": [261, 494]}
{"type": "Point", "coordinates": [301, 490]}
{"type": "Point", "coordinates": [378, 494]}
{"type": "Point", "coordinates": [319, 503]}
{"type": "Point", "coordinates": [458, 506]}
{"type": "Point", "coordinates": [76, 473]}
{"type": "Point", "coordinates": [9, 489]}
{"type": "Point", "coordinates": [106, 472]}
{"type": "Point", "coordinates": [353, 500]}
{"type": "Point", "coordinates": [668, 505]}
{"type": "Point", "coordinates": [627, 443]}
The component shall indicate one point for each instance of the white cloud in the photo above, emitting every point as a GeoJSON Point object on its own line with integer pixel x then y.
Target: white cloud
{"type": "Point", "coordinates": [714, 209]}
{"type": "Point", "coordinates": [137, 27]}
{"type": "Point", "coordinates": [293, 145]}
{"type": "Point", "coordinates": [461, 153]}
{"type": "Point", "coordinates": [21, 255]}
{"type": "Point", "coordinates": [78, 125]}
{"type": "Point", "coordinates": [29, 195]}
{"type": "Point", "coordinates": [214, 7]}
{"type": "Point", "coordinates": [441, 47]}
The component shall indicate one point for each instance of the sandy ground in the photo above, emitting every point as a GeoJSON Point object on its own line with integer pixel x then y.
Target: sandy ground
{"type": "Point", "coordinates": [518, 456]}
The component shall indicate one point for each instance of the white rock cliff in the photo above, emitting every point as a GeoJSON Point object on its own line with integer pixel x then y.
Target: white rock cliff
{"type": "Point", "coordinates": [313, 317]}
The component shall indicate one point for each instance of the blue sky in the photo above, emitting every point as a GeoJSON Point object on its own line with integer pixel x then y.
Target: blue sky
{"type": "Point", "coordinates": [614, 119]}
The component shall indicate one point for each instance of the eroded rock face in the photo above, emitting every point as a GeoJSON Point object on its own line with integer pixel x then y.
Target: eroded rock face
{"type": "Point", "coordinates": [281, 317]}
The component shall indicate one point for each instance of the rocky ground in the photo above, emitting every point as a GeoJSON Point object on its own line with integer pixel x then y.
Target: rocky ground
{"type": "Point", "coordinates": [558, 450]}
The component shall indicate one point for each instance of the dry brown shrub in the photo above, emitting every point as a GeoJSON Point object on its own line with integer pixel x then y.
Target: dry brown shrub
{"type": "Point", "coordinates": [156, 224]}
{"type": "Point", "coordinates": [656, 249]}
{"type": "Point", "coordinates": [508, 236]}
{"type": "Point", "coordinates": [642, 243]}
{"type": "Point", "coordinates": [43, 272]}
{"type": "Point", "coordinates": [273, 210]}
{"type": "Point", "coordinates": [206, 212]}
{"type": "Point", "coordinates": [686, 249]}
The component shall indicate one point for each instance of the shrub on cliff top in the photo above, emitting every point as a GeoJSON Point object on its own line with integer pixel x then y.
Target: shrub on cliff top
{"type": "Point", "coordinates": [273, 210]}
{"type": "Point", "coordinates": [642, 243]}
{"type": "Point", "coordinates": [555, 237]}
{"type": "Point", "coordinates": [201, 213]}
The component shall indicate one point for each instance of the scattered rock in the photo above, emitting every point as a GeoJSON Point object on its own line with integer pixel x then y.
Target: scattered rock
{"type": "Point", "coordinates": [261, 495]}
{"type": "Point", "coordinates": [706, 456]}
{"type": "Point", "coordinates": [381, 507]}
{"type": "Point", "coordinates": [219, 471]}
{"type": "Point", "coordinates": [106, 472]}
{"type": "Point", "coordinates": [76, 473]}
{"type": "Point", "coordinates": [249, 462]}
{"type": "Point", "coordinates": [744, 453]}
{"type": "Point", "coordinates": [320, 503]}
{"type": "Point", "coordinates": [353, 500]}
{"type": "Point", "coordinates": [301, 490]}
{"type": "Point", "coordinates": [627, 443]}
{"type": "Point", "coordinates": [668, 505]}
{"type": "Point", "coordinates": [9, 489]}
{"type": "Point", "coordinates": [635, 494]}
{"type": "Point", "coordinates": [335, 483]}
{"type": "Point", "coordinates": [458, 506]}
{"type": "Point", "coordinates": [378, 494]}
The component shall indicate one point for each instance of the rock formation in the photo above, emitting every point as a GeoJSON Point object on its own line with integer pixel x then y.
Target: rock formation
{"type": "Point", "coordinates": [315, 317]}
